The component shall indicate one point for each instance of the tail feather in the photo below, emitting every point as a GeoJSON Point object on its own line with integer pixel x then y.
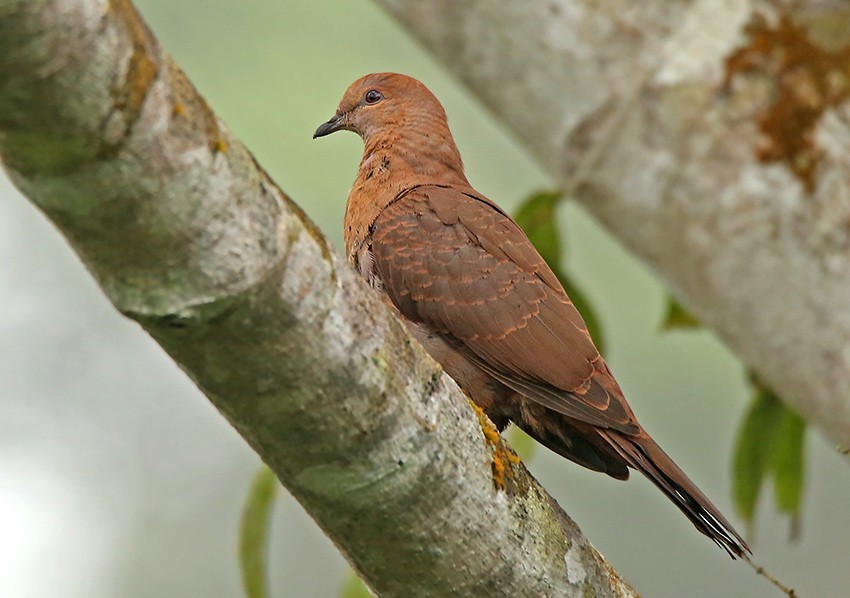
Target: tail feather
{"type": "Point", "coordinates": [644, 455]}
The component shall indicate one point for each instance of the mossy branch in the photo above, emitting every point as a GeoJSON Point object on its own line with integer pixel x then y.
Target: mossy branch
{"type": "Point", "coordinates": [188, 236]}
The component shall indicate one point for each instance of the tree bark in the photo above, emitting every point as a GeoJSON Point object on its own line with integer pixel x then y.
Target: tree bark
{"type": "Point", "coordinates": [189, 237]}
{"type": "Point", "coordinates": [709, 137]}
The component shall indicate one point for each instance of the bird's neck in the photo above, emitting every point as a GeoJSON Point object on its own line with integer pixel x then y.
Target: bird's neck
{"type": "Point", "coordinates": [391, 165]}
{"type": "Point", "coordinates": [425, 153]}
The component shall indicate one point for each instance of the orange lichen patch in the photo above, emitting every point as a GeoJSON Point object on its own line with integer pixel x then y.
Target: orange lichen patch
{"type": "Point", "coordinates": [142, 70]}
{"type": "Point", "coordinates": [195, 114]}
{"type": "Point", "coordinates": [808, 79]}
{"type": "Point", "coordinates": [220, 146]}
{"type": "Point", "coordinates": [504, 458]}
{"type": "Point", "coordinates": [140, 74]}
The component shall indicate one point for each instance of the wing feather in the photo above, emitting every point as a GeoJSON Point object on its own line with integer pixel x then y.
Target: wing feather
{"type": "Point", "coordinates": [456, 263]}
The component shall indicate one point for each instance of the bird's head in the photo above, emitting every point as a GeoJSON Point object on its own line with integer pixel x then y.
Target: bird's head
{"type": "Point", "coordinates": [384, 102]}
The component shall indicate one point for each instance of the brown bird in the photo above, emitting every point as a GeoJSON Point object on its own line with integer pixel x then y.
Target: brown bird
{"type": "Point", "coordinates": [474, 291]}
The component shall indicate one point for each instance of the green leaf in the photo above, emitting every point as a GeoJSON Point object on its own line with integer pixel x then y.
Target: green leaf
{"type": "Point", "coordinates": [254, 533]}
{"type": "Point", "coordinates": [353, 587]}
{"type": "Point", "coordinates": [752, 450]}
{"type": "Point", "coordinates": [786, 461]}
{"type": "Point", "coordinates": [536, 216]}
{"type": "Point", "coordinates": [771, 443]}
{"type": "Point", "coordinates": [677, 317]}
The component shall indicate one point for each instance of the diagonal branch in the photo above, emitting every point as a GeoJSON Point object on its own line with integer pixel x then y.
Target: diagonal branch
{"type": "Point", "coordinates": [189, 237]}
{"type": "Point", "coordinates": [710, 137]}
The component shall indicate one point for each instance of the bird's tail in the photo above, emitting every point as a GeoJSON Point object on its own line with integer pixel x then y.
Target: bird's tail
{"type": "Point", "coordinates": [644, 455]}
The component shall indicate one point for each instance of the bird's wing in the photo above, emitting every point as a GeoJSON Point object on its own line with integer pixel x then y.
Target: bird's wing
{"type": "Point", "coordinates": [452, 260]}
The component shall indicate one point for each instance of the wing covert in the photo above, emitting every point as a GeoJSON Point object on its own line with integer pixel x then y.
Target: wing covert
{"type": "Point", "coordinates": [452, 260]}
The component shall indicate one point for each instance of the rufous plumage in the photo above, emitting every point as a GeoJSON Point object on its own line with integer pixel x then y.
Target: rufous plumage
{"type": "Point", "coordinates": [474, 291]}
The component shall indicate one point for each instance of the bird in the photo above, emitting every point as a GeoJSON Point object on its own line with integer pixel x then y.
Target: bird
{"type": "Point", "coordinates": [473, 290]}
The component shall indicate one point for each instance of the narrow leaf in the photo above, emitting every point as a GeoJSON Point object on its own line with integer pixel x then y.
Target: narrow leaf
{"type": "Point", "coordinates": [772, 443]}
{"type": "Point", "coordinates": [786, 461]}
{"type": "Point", "coordinates": [536, 216]}
{"type": "Point", "coordinates": [677, 317]}
{"type": "Point", "coordinates": [254, 533]}
{"type": "Point", "coordinates": [751, 451]}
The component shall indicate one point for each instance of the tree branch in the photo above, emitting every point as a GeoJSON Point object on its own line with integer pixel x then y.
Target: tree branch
{"type": "Point", "coordinates": [707, 136]}
{"type": "Point", "coordinates": [189, 237]}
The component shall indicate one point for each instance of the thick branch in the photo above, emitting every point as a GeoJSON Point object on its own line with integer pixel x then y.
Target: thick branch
{"type": "Point", "coordinates": [188, 236]}
{"type": "Point", "coordinates": [710, 137]}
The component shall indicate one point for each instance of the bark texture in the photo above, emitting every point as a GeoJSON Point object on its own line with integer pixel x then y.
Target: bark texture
{"type": "Point", "coordinates": [710, 137]}
{"type": "Point", "coordinates": [188, 236]}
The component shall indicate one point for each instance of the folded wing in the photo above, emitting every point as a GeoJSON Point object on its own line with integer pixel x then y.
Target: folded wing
{"type": "Point", "coordinates": [452, 260]}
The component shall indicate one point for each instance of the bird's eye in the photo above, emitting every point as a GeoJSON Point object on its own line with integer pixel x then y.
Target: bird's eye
{"type": "Point", "coordinates": [373, 96]}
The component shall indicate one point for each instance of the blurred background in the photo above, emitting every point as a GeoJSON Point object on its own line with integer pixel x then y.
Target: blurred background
{"type": "Point", "coordinates": [118, 478]}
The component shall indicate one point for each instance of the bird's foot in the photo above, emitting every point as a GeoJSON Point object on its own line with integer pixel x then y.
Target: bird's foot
{"type": "Point", "coordinates": [504, 458]}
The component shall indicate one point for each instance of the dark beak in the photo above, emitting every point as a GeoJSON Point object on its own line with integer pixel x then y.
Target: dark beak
{"type": "Point", "coordinates": [332, 126]}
